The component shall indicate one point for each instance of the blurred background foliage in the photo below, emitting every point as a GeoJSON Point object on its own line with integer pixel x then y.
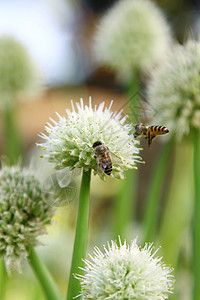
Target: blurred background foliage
{"type": "Point", "coordinates": [58, 35]}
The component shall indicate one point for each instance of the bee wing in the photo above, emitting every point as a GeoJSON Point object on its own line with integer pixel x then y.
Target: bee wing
{"type": "Point", "coordinates": [64, 177]}
{"type": "Point", "coordinates": [49, 188]}
{"type": "Point", "coordinates": [59, 195]}
{"type": "Point", "coordinates": [48, 184]}
{"type": "Point", "coordinates": [100, 167]}
{"type": "Point", "coordinates": [115, 159]}
{"type": "Point", "coordinates": [76, 172]}
{"type": "Point", "coordinates": [138, 108]}
{"type": "Point", "coordinates": [147, 107]}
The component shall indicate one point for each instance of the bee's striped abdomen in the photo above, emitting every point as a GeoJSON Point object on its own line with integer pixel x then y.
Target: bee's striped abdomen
{"type": "Point", "coordinates": [108, 170]}
{"type": "Point", "coordinates": [108, 162]}
{"type": "Point", "coordinates": [156, 129]}
{"type": "Point", "coordinates": [105, 161]}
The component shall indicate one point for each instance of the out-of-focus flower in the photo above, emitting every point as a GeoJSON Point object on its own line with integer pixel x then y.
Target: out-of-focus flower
{"type": "Point", "coordinates": [174, 90]}
{"type": "Point", "coordinates": [132, 36]}
{"type": "Point", "coordinates": [24, 212]}
{"type": "Point", "coordinates": [18, 74]}
{"type": "Point", "coordinates": [125, 272]}
{"type": "Point", "coordinates": [69, 142]}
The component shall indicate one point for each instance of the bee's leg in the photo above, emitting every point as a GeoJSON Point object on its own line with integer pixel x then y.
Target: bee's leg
{"type": "Point", "coordinates": [148, 137]}
{"type": "Point", "coordinates": [137, 136]}
{"type": "Point", "coordinates": [151, 138]}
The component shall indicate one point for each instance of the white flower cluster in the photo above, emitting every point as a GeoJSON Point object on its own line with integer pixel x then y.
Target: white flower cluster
{"type": "Point", "coordinates": [18, 73]}
{"type": "Point", "coordinates": [132, 36]}
{"type": "Point", "coordinates": [125, 272]}
{"type": "Point", "coordinates": [174, 90]}
{"type": "Point", "coordinates": [24, 212]}
{"type": "Point", "coordinates": [69, 142]}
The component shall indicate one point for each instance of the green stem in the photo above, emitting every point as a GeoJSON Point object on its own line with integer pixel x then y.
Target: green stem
{"type": "Point", "coordinates": [196, 216]}
{"type": "Point", "coordinates": [80, 242]}
{"type": "Point", "coordinates": [177, 213]}
{"type": "Point", "coordinates": [133, 93]}
{"type": "Point", "coordinates": [153, 196]}
{"type": "Point", "coordinates": [13, 143]}
{"type": "Point", "coordinates": [3, 280]}
{"type": "Point", "coordinates": [43, 276]}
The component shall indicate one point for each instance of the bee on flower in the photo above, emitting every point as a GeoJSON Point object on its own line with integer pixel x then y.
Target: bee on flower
{"type": "Point", "coordinates": [72, 141]}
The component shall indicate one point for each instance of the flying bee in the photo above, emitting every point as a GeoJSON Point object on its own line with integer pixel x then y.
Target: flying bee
{"type": "Point", "coordinates": [149, 131]}
{"type": "Point", "coordinates": [140, 108]}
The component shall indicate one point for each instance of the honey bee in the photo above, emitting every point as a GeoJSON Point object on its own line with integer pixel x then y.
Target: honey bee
{"type": "Point", "coordinates": [103, 159]}
{"type": "Point", "coordinates": [149, 131]}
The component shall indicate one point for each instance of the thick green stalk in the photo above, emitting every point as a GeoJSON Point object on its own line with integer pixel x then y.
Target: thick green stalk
{"type": "Point", "coordinates": [176, 217]}
{"type": "Point", "coordinates": [196, 216]}
{"type": "Point", "coordinates": [3, 279]}
{"type": "Point", "coordinates": [43, 276]}
{"type": "Point", "coordinates": [153, 194]}
{"type": "Point", "coordinates": [13, 142]}
{"type": "Point", "coordinates": [80, 242]}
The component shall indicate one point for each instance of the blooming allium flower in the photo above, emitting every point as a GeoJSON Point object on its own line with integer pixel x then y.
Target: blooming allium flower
{"type": "Point", "coordinates": [69, 142]}
{"type": "Point", "coordinates": [132, 36]}
{"type": "Point", "coordinates": [24, 212]}
{"type": "Point", "coordinates": [125, 272]}
{"type": "Point", "coordinates": [18, 74]}
{"type": "Point", "coordinates": [174, 90]}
